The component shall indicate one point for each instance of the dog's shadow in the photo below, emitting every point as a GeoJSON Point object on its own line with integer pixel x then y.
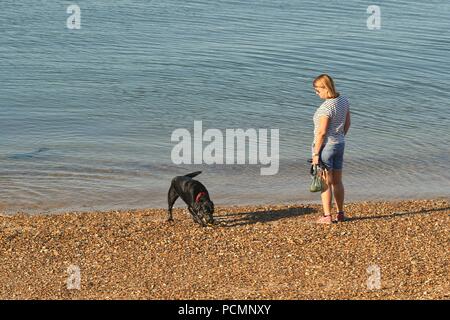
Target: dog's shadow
{"type": "Point", "coordinates": [263, 216]}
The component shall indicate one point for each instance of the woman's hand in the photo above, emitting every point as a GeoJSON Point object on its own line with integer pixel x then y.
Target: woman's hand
{"type": "Point", "coordinates": [315, 160]}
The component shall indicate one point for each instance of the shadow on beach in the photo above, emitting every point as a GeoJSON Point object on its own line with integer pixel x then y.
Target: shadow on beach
{"type": "Point", "coordinates": [252, 217]}
{"type": "Point", "coordinates": [246, 218]}
{"type": "Point", "coordinates": [397, 214]}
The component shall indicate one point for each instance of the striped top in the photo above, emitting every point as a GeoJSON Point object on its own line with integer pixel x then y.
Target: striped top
{"type": "Point", "coordinates": [336, 109]}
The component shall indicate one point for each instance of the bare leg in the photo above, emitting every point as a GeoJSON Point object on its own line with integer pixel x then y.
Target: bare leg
{"type": "Point", "coordinates": [327, 192]}
{"type": "Point", "coordinates": [338, 190]}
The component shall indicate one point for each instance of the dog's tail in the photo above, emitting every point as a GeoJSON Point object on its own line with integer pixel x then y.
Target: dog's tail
{"type": "Point", "coordinates": [193, 174]}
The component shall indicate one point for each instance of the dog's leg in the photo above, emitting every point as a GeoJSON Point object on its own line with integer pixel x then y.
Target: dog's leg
{"type": "Point", "coordinates": [194, 216]}
{"type": "Point", "coordinates": [172, 196]}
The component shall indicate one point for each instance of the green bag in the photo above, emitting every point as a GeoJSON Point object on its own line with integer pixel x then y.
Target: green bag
{"type": "Point", "coordinates": [316, 183]}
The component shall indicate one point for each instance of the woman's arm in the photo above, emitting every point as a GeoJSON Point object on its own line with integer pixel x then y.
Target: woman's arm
{"type": "Point", "coordinates": [347, 123]}
{"type": "Point", "coordinates": [320, 137]}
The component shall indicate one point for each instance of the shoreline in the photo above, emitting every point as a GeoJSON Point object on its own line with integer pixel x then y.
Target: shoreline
{"type": "Point", "coordinates": [253, 252]}
{"type": "Point", "coordinates": [5, 211]}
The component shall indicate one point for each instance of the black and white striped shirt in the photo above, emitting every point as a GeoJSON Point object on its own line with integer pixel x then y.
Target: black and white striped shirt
{"type": "Point", "coordinates": [336, 109]}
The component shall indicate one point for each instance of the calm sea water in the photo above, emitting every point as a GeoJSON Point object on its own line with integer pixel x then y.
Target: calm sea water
{"type": "Point", "coordinates": [86, 115]}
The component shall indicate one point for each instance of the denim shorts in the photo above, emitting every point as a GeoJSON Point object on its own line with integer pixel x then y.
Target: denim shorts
{"type": "Point", "coordinates": [333, 155]}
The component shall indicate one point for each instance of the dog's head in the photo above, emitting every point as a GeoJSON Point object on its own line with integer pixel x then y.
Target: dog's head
{"type": "Point", "coordinates": [204, 208]}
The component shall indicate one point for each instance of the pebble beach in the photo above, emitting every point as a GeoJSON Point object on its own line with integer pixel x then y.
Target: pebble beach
{"type": "Point", "coordinates": [385, 250]}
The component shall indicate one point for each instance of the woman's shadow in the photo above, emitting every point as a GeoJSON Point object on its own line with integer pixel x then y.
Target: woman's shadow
{"type": "Point", "coordinates": [263, 216]}
{"type": "Point", "coordinates": [398, 214]}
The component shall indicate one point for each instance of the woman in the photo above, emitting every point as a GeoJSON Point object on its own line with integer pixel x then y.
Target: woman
{"type": "Point", "coordinates": [331, 124]}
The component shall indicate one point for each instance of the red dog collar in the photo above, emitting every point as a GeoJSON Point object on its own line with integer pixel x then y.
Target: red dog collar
{"type": "Point", "coordinates": [201, 194]}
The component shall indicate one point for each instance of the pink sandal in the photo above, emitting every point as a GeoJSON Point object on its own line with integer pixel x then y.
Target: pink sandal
{"type": "Point", "coordinates": [325, 220]}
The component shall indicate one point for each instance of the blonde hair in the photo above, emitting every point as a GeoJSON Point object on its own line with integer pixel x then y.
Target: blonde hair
{"type": "Point", "coordinates": [327, 82]}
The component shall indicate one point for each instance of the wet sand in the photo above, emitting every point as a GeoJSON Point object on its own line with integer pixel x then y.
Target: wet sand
{"type": "Point", "coordinates": [386, 250]}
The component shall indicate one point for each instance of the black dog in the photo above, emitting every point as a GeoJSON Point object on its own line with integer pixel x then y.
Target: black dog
{"type": "Point", "coordinates": [195, 195]}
